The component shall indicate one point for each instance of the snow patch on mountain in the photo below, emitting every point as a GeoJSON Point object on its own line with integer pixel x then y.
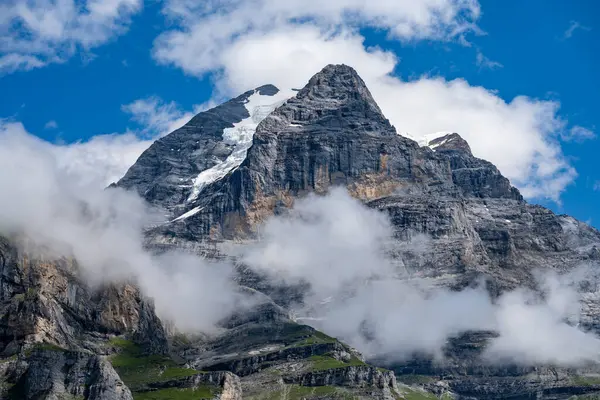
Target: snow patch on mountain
{"type": "Point", "coordinates": [240, 136]}
{"type": "Point", "coordinates": [427, 139]}
{"type": "Point", "coordinates": [188, 214]}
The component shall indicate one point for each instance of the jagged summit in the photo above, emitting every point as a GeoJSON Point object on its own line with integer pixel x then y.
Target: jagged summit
{"type": "Point", "coordinates": [338, 83]}
{"type": "Point", "coordinates": [452, 141]}
{"type": "Point", "coordinates": [336, 97]}
{"type": "Point", "coordinates": [274, 143]}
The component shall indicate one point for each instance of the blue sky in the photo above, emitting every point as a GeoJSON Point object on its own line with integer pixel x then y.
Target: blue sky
{"type": "Point", "coordinates": [545, 50]}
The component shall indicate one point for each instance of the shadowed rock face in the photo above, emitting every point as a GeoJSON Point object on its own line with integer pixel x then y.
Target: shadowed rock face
{"type": "Point", "coordinates": [163, 174]}
{"type": "Point", "coordinates": [45, 300]}
{"type": "Point", "coordinates": [474, 177]}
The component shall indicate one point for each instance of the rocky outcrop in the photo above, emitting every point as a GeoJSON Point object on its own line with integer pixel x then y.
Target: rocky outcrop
{"type": "Point", "coordinates": [248, 365]}
{"type": "Point", "coordinates": [55, 328]}
{"type": "Point", "coordinates": [56, 374]}
{"type": "Point", "coordinates": [353, 376]}
{"type": "Point", "coordinates": [45, 300]}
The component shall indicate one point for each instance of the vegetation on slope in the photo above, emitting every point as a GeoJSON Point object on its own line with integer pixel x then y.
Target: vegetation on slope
{"type": "Point", "coordinates": [325, 362]}
{"type": "Point", "coordinates": [138, 371]}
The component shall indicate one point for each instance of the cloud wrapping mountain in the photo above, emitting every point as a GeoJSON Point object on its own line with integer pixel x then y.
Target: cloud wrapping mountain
{"type": "Point", "coordinates": [59, 209]}
{"type": "Point", "coordinates": [358, 293]}
{"type": "Point", "coordinates": [333, 243]}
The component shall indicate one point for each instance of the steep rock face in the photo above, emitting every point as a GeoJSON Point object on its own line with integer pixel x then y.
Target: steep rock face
{"type": "Point", "coordinates": [45, 300]}
{"type": "Point", "coordinates": [475, 177]}
{"type": "Point", "coordinates": [56, 374]}
{"type": "Point", "coordinates": [505, 240]}
{"type": "Point", "coordinates": [164, 174]}
{"type": "Point", "coordinates": [331, 133]}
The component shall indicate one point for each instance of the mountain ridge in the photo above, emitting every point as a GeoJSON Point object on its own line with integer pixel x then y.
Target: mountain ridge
{"type": "Point", "coordinates": [327, 135]}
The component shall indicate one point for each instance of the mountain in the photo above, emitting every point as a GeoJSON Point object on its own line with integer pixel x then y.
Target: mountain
{"type": "Point", "coordinates": [219, 178]}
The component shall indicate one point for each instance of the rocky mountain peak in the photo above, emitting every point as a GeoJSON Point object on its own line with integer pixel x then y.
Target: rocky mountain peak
{"type": "Point", "coordinates": [335, 97]}
{"type": "Point", "coordinates": [452, 141]}
{"type": "Point", "coordinates": [337, 82]}
{"type": "Point", "coordinates": [267, 90]}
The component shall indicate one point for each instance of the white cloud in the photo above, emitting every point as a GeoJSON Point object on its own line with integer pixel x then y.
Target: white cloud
{"type": "Point", "coordinates": [103, 230]}
{"type": "Point", "coordinates": [12, 62]}
{"type": "Point", "coordinates": [573, 26]}
{"type": "Point", "coordinates": [34, 33]}
{"type": "Point", "coordinates": [483, 62]}
{"type": "Point", "coordinates": [357, 293]}
{"type": "Point", "coordinates": [577, 134]}
{"type": "Point", "coordinates": [346, 241]}
{"type": "Point", "coordinates": [250, 43]}
{"type": "Point", "coordinates": [534, 330]}
{"type": "Point", "coordinates": [157, 117]}
{"type": "Point", "coordinates": [51, 125]}
{"type": "Point", "coordinates": [104, 159]}
{"type": "Point", "coordinates": [209, 27]}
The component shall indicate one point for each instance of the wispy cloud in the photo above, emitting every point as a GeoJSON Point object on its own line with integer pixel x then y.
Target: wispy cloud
{"type": "Point", "coordinates": [51, 125]}
{"type": "Point", "coordinates": [577, 134]}
{"type": "Point", "coordinates": [485, 63]}
{"type": "Point", "coordinates": [574, 25]}
{"type": "Point", "coordinates": [102, 229]}
{"type": "Point", "coordinates": [155, 116]}
{"type": "Point", "coordinates": [355, 287]}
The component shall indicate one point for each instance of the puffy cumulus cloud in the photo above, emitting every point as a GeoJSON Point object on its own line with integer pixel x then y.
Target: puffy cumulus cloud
{"type": "Point", "coordinates": [34, 33]}
{"type": "Point", "coordinates": [336, 245]}
{"type": "Point", "coordinates": [521, 136]}
{"type": "Point", "coordinates": [207, 27]}
{"type": "Point", "coordinates": [102, 230]}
